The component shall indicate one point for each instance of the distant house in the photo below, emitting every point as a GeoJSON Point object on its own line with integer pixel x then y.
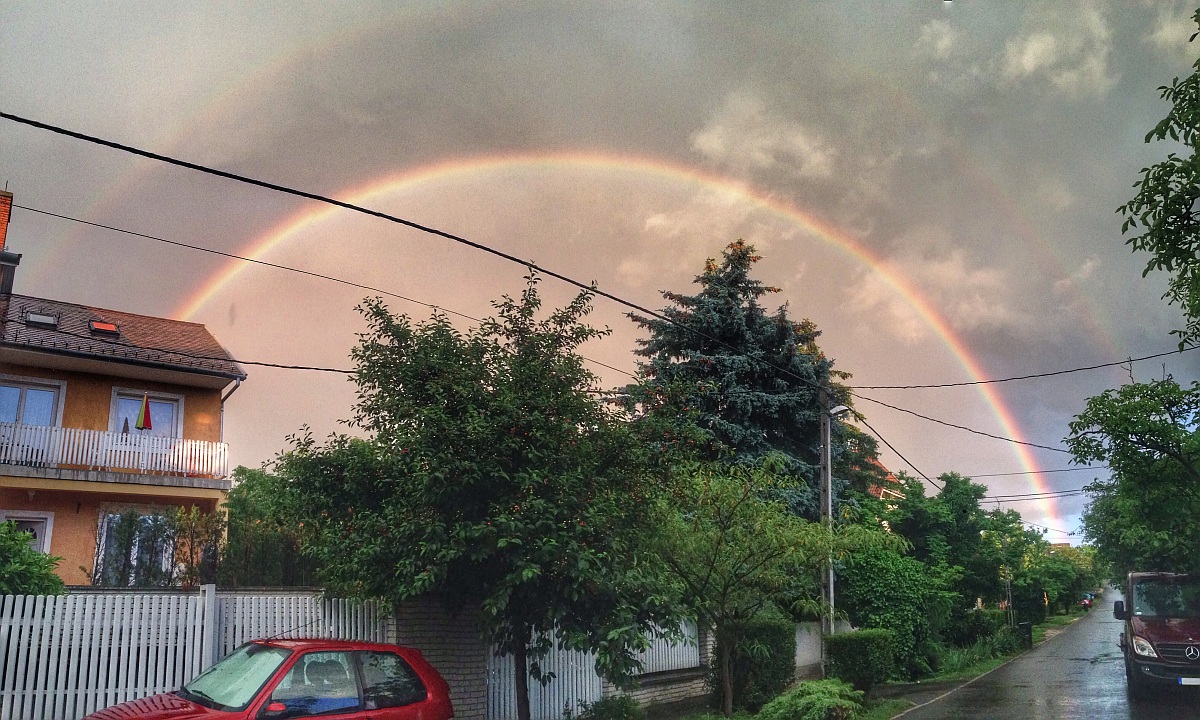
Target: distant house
{"type": "Point", "coordinates": [102, 412]}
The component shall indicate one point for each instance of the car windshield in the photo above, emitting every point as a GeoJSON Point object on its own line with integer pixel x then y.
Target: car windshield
{"type": "Point", "coordinates": [1162, 597]}
{"type": "Point", "coordinates": [232, 683]}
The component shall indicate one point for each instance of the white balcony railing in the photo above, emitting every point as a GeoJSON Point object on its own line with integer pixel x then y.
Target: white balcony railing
{"type": "Point", "coordinates": [46, 446]}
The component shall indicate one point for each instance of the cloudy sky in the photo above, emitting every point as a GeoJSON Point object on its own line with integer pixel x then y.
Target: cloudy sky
{"type": "Point", "coordinates": [933, 183]}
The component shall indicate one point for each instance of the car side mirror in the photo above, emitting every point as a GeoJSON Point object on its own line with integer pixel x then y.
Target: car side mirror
{"type": "Point", "coordinates": [1119, 610]}
{"type": "Point", "coordinates": [274, 710]}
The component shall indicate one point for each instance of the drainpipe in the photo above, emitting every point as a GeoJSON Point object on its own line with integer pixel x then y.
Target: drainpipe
{"type": "Point", "coordinates": [238, 384]}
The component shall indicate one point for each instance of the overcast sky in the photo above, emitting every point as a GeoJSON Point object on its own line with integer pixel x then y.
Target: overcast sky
{"type": "Point", "coordinates": [933, 183]}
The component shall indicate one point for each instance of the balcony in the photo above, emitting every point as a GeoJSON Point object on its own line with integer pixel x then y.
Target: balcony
{"type": "Point", "coordinates": [72, 448]}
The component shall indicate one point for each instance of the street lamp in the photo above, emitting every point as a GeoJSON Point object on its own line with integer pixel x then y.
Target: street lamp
{"type": "Point", "coordinates": [827, 415]}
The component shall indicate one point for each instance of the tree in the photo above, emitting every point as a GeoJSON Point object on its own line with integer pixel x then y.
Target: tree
{"type": "Point", "coordinates": [733, 552]}
{"type": "Point", "coordinates": [1144, 517]}
{"type": "Point", "coordinates": [262, 545]}
{"type": "Point", "coordinates": [491, 478]}
{"type": "Point", "coordinates": [23, 570]}
{"type": "Point", "coordinates": [1167, 205]}
{"type": "Point", "coordinates": [753, 379]}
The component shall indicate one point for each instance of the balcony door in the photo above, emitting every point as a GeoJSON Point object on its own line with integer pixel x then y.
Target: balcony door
{"type": "Point", "coordinates": [166, 412]}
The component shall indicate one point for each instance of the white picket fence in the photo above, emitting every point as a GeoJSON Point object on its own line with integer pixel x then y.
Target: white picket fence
{"type": "Point", "coordinates": [575, 678]}
{"type": "Point", "coordinates": [66, 656]}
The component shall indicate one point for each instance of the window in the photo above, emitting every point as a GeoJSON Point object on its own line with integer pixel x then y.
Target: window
{"type": "Point", "coordinates": [134, 549]}
{"type": "Point", "coordinates": [39, 525]}
{"type": "Point", "coordinates": [388, 681]}
{"type": "Point", "coordinates": [165, 417]}
{"type": "Point", "coordinates": [28, 403]}
{"type": "Point", "coordinates": [320, 683]}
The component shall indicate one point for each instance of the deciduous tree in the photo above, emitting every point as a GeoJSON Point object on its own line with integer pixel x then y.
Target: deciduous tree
{"type": "Point", "coordinates": [492, 478]}
{"type": "Point", "coordinates": [1166, 209]}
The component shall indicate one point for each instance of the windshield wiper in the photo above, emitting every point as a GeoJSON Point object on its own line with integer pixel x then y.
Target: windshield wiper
{"type": "Point", "coordinates": [185, 691]}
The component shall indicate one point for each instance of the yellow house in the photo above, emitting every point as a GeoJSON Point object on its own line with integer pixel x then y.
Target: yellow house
{"type": "Point", "coordinates": [101, 412]}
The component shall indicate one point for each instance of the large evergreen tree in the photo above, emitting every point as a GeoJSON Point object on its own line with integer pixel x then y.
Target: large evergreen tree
{"type": "Point", "coordinates": [751, 378]}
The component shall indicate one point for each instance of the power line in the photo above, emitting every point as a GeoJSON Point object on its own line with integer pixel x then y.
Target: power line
{"type": "Point", "coordinates": [960, 427]}
{"type": "Point", "coordinates": [923, 476]}
{"type": "Point", "coordinates": [287, 268]}
{"type": "Point", "coordinates": [1032, 376]}
{"type": "Point", "coordinates": [1034, 472]}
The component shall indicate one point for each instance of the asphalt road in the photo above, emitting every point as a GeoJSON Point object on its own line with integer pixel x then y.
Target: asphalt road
{"type": "Point", "coordinates": [1077, 674]}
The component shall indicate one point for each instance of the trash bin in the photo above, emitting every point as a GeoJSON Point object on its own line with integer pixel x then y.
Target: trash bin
{"type": "Point", "coordinates": [1025, 632]}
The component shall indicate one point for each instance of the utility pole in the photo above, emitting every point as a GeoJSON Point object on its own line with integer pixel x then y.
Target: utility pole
{"type": "Point", "coordinates": [827, 590]}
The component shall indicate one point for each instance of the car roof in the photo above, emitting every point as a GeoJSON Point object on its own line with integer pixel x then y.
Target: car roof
{"type": "Point", "coordinates": [328, 644]}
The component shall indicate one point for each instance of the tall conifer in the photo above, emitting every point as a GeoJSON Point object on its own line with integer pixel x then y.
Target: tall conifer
{"type": "Point", "coordinates": [752, 378]}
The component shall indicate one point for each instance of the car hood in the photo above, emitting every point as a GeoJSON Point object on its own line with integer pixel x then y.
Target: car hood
{"type": "Point", "coordinates": [155, 707]}
{"type": "Point", "coordinates": [1167, 630]}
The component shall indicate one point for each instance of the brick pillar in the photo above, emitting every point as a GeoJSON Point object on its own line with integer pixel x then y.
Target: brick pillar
{"type": "Point", "coordinates": [453, 645]}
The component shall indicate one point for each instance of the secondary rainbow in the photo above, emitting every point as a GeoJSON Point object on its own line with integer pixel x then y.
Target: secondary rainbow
{"type": "Point", "coordinates": [366, 193]}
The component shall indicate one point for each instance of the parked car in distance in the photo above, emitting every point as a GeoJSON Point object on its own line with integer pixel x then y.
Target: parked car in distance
{"type": "Point", "coordinates": [280, 679]}
{"type": "Point", "coordinates": [1161, 642]}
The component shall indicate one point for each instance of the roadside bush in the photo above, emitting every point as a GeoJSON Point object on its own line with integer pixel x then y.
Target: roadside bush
{"type": "Point", "coordinates": [884, 589]}
{"type": "Point", "coordinates": [1029, 602]}
{"type": "Point", "coordinates": [968, 627]}
{"type": "Point", "coordinates": [816, 700]}
{"type": "Point", "coordinates": [762, 664]}
{"type": "Point", "coordinates": [25, 571]}
{"type": "Point", "coordinates": [613, 707]}
{"type": "Point", "coordinates": [861, 658]}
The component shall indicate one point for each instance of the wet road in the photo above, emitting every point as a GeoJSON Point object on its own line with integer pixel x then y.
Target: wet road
{"type": "Point", "coordinates": [1078, 674]}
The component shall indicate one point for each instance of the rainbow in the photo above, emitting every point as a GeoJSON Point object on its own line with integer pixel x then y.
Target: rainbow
{"type": "Point", "coordinates": [365, 194]}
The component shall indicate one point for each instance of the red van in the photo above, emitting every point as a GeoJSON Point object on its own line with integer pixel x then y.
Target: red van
{"type": "Point", "coordinates": [1161, 642]}
{"type": "Point", "coordinates": [280, 679]}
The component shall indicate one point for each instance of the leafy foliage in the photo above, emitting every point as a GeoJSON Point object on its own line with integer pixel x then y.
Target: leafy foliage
{"type": "Point", "coordinates": [763, 663]}
{"type": "Point", "coordinates": [492, 479]}
{"type": "Point", "coordinates": [613, 707]}
{"type": "Point", "coordinates": [828, 699]}
{"type": "Point", "coordinates": [23, 570]}
{"type": "Point", "coordinates": [885, 589]}
{"type": "Point", "coordinates": [262, 546]}
{"type": "Point", "coordinates": [732, 549]}
{"type": "Point", "coordinates": [861, 658]}
{"type": "Point", "coordinates": [1167, 205]}
{"type": "Point", "coordinates": [1145, 516]}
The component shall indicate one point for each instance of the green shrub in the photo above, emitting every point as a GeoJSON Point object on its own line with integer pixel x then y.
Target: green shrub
{"type": "Point", "coordinates": [861, 658]}
{"type": "Point", "coordinates": [884, 589]}
{"type": "Point", "coordinates": [763, 662]}
{"type": "Point", "coordinates": [816, 700]}
{"type": "Point", "coordinates": [23, 570]}
{"type": "Point", "coordinates": [1029, 602]}
{"type": "Point", "coordinates": [613, 707]}
{"type": "Point", "coordinates": [968, 627]}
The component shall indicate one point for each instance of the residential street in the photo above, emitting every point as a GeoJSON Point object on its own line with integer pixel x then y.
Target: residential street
{"type": "Point", "coordinates": [1078, 674]}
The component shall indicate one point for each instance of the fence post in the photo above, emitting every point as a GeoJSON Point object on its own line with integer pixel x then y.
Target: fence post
{"type": "Point", "coordinates": [208, 627]}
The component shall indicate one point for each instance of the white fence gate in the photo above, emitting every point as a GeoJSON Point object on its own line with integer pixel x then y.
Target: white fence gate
{"type": "Point", "coordinates": [62, 657]}
{"type": "Point", "coordinates": [575, 678]}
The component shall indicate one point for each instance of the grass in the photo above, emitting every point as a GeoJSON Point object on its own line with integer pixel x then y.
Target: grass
{"type": "Point", "coordinates": [884, 709]}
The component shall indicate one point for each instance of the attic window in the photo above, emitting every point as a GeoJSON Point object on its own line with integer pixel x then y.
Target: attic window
{"type": "Point", "coordinates": [103, 328]}
{"type": "Point", "coordinates": [41, 319]}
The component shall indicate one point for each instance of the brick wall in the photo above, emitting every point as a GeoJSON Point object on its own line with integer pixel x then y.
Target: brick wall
{"type": "Point", "coordinates": [453, 645]}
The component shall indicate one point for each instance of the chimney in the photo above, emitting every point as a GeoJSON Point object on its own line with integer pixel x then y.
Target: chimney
{"type": "Point", "coordinates": [5, 213]}
{"type": "Point", "coordinates": [8, 260]}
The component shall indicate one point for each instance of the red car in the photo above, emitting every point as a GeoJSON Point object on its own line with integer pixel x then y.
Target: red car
{"type": "Point", "coordinates": [278, 679]}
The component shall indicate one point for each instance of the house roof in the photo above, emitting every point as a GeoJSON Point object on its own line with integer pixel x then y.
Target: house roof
{"type": "Point", "coordinates": [140, 340]}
